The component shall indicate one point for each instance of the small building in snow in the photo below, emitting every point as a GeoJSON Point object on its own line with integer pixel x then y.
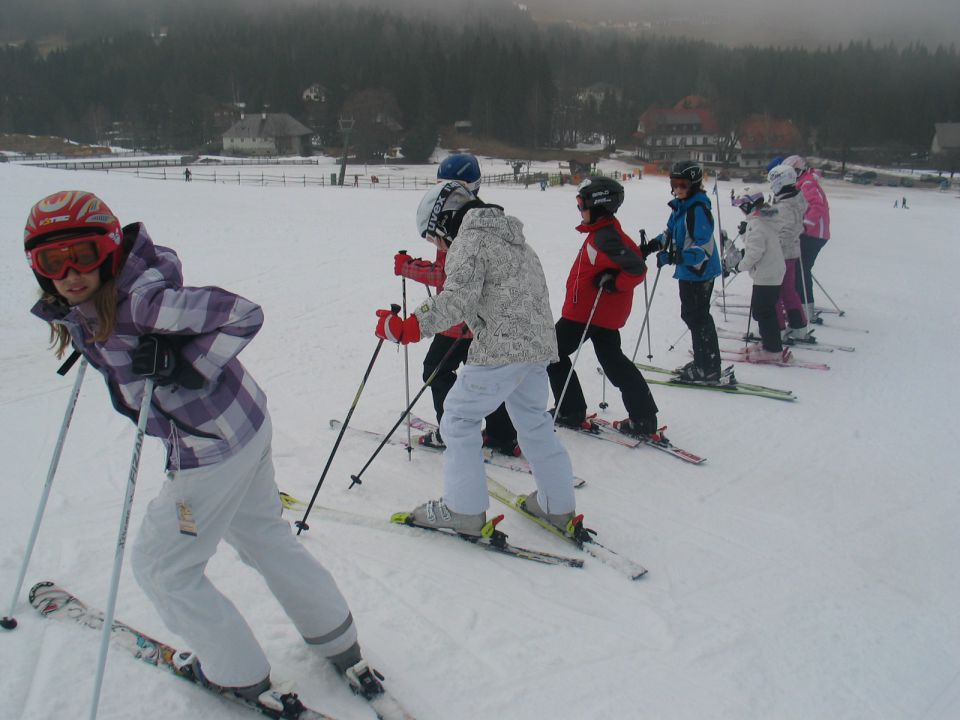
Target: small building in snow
{"type": "Point", "coordinates": [267, 134]}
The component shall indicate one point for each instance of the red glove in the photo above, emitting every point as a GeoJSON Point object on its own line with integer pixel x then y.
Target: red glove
{"type": "Point", "coordinates": [391, 327]}
{"type": "Point", "coordinates": [399, 260]}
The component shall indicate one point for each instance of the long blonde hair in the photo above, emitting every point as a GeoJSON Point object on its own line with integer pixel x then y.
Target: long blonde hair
{"type": "Point", "coordinates": [104, 304]}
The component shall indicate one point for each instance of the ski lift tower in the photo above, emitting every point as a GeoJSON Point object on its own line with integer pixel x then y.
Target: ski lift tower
{"type": "Point", "coordinates": [345, 123]}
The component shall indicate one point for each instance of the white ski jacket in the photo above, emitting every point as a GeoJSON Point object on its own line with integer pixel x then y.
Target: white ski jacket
{"type": "Point", "coordinates": [792, 206]}
{"type": "Point", "coordinates": [495, 284]}
{"type": "Point", "coordinates": [763, 255]}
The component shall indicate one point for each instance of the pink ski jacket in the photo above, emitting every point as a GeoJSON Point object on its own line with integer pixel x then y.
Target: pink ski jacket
{"type": "Point", "coordinates": [816, 220]}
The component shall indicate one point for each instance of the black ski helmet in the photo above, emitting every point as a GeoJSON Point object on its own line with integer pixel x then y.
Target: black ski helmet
{"type": "Point", "coordinates": [690, 171]}
{"type": "Point", "coordinates": [600, 195]}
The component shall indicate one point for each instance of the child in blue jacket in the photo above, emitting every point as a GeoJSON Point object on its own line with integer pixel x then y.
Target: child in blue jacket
{"type": "Point", "coordinates": [688, 244]}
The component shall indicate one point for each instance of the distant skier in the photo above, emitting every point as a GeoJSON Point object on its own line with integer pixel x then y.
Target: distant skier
{"type": "Point", "coordinates": [816, 227]}
{"type": "Point", "coordinates": [762, 257]}
{"type": "Point", "coordinates": [120, 300]}
{"type": "Point", "coordinates": [689, 244]}
{"type": "Point", "coordinates": [500, 433]}
{"type": "Point", "coordinates": [496, 285]}
{"type": "Point", "coordinates": [608, 267]}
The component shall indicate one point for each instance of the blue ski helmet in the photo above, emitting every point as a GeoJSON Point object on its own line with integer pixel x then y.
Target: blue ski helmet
{"type": "Point", "coordinates": [778, 160]}
{"type": "Point", "coordinates": [462, 167]}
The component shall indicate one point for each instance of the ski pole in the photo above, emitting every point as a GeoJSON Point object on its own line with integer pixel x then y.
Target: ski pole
{"type": "Point", "coordinates": [8, 622]}
{"type": "Point", "coordinates": [682, 336]}
{"type": "Point", "coordinates": [723, 285]}
{"type": "Point", "coordinates": [406, 365]}
{"type": "Point", "coordinates": [583, 338]}
{"type": "Point", "coordinates": [646, 316]}
{"type": "Point", "coordinates": [603, 400]}
{"type": "Point", "coordinates": [646, 300]}
{"type": "Point", "coordinates": [302, 522]}
{"type": "Point", "coordinates": [839, 311]}
{"type": "Point", "coordinates": [121, 544]}
{"type": "Point", "coordinates": [355, 479]}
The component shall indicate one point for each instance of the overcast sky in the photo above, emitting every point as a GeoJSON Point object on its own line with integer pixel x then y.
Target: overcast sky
{"type": "Point", "coordinates": [813, 22]}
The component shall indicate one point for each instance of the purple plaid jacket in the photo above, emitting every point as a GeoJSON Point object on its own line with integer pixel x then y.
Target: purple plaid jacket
{"type": "Point", "coordinates": [198, 427]}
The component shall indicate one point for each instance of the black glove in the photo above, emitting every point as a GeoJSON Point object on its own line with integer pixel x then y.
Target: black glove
{"type": "Point", "coordinates": [606, 281]}
{"type": "Point", "coordinates": [742, 227]}
{"type": "Point", "coordinates": [158, 358]}
{"type": "Point", "coordinates": [648, 248]}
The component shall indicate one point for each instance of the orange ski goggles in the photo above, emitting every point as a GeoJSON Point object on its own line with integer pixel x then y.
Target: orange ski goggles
{"type": "Point", "coordinates": [83, 253]}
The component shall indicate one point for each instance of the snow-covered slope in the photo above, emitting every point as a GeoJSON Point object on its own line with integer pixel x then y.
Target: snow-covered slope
{"type": "Point", "coordinates": [807, 570]}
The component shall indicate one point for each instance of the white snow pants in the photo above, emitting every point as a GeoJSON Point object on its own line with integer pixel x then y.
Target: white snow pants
{"type": "Point", "coordinates": [478, 391]}
{"type": "Point", "coordinates": [235, 500]}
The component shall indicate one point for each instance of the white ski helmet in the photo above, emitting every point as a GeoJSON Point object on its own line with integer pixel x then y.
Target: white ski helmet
{"type": "Point", "coordinates": [797, 162]}
{"type": "Point", "coordinates": [780, 177]}
{"type": "Point", "coordinates": [748, 201]}
{"type": "Point", "coordinates": [440, 211]}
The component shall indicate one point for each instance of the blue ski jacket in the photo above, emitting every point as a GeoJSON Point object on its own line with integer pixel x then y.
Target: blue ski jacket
{"type": "Point", "coordinates": [689, 239]}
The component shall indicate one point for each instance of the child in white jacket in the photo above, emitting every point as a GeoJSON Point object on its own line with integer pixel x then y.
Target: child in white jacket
{"type": "Point", "coordinates": [495, 284]}
{"type": "Point", "coordinates": [792, 205]}
{"type": "Point", "coordinates": [763, 258]}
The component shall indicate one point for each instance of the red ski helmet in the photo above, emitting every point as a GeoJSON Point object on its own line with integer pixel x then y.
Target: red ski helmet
{"type": "Point", "coordinates": [74, 213]}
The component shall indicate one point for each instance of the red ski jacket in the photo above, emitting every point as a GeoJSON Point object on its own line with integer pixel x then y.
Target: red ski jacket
{"type": "Point", "coordinates": [606, 249]}
{"type": "Point", "coordinates": [434, 275]}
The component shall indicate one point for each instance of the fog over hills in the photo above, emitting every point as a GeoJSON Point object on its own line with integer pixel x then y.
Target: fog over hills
{"type": "Point", "coordinates": [810, 23]}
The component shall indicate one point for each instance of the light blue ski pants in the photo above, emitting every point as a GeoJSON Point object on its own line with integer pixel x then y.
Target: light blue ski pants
{"type": "Point", "coordinates": [479, 390]}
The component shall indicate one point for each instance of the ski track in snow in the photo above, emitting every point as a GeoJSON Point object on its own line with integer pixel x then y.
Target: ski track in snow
{"type": "Point", "coordinates": [807, 570]}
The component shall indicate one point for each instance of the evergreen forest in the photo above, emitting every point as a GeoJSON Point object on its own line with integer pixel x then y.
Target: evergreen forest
{"type": "Point", "coordinates": [516, 82]}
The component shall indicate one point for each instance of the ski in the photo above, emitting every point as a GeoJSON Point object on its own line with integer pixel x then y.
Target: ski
{"type": "Point", "coordinates": [601, 433]}
{"type": "Point", "coordinates": [604, 430]}
{"type": "Point", "coordinates": [54, 602]}
{"type": "Point", "coordinates": [493, 540]}
{"type": "Point", "coordinates": [743, 309]}
{"type": "Point", "coordinates": [818, 320]}
{"type": "Point", "coordinates": [751, 338]}
{"type": "Point", "coordinates": [584, 539]}
{"type": "Point", "coordinates": [744, 358]}
{"type": "Point", "coordinates": [490, 457]}
{"type": "Point", "coordinates": [495, 543]}
{"type": "Point", "coordinates": [735, 388]}
{"type": "Point", "coordinates": [660, 442]}
{"type": "Point", "coordinates": [816, 345]}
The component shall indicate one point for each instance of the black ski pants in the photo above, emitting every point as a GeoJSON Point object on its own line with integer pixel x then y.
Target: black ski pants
{"type": "Point", "coordinates": [763, 307]}
{"type": "Point", "coordinates": [810, 247]}
{"type": "Point", "coordinates": [624, 375]}
{"type": "Point", "coordinates": [498, 426]}
{"type": "Point", "coordinates": [695, 299]}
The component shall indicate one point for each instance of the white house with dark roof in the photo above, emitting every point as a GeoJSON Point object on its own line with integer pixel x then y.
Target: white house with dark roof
{"type": "Point", "coordinates": [267, 134]}
{"type": "Point", "coordinates": [946, 138]}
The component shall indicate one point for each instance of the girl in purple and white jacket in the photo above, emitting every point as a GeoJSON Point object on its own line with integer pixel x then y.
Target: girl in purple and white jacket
{"type": "Point", "coordinates": [119, 300]}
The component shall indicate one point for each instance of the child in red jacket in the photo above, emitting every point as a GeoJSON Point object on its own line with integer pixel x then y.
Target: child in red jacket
{"type": "Point", "coordinates": [611, 264]}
